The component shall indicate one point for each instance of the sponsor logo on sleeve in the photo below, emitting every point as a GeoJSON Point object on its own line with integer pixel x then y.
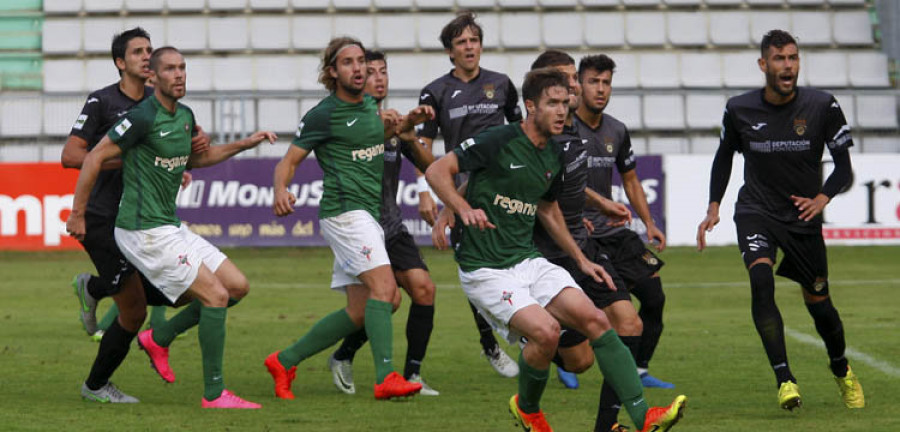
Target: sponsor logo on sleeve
{"type": "Point", "coordinates": [79, 122]}
{"type": "Point", "coordinates": [467, 143]}
{"type": "Point", "coordinates": [123, 127]}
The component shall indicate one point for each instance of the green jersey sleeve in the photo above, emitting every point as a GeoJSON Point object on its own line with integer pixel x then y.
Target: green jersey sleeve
{"type": "Point", "coordinates": [314, 129]}
{"type": "Point", "coordinates": [479, 151]}
{"type": "Point", "coordinates": [131, 130]}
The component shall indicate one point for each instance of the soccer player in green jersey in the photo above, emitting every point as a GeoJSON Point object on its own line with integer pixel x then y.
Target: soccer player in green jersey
{"type": "Point", "coordinates": [347, 134]}
{"type": "Point", "coordinates": [514, 178]}
{"type": "Point", "coordinates": [154, 142]}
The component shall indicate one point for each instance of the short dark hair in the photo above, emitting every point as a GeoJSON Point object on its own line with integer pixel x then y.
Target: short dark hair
{"type": "Point", "coordinates": [538, 80]}
{"type": "Point", "coordinates": [375, 55]}
{"type": "Point", "coordinates": [552, 58]}
{"type": "Point", "coordinates": [600, 63]}
{"type": "Point", "coordinates": [120, 42]}
{"type": "Point", "coordinates": [157, 53]}
{"type": "Point", "coordinates": [775, 38]}
{"type": "Point", "coordinates": [329, 56]}
{"type": "Point", "coordinates": [463, 20]}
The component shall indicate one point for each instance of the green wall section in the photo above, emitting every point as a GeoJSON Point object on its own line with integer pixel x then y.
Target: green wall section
{"type": "Point", "coordinates": [21, 62]}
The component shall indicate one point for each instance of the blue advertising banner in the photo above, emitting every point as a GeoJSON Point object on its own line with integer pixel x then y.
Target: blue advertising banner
{"type": "Point", "coordinates": [650, 172]}
{"type": "Point", "coordinates": [230, 204]}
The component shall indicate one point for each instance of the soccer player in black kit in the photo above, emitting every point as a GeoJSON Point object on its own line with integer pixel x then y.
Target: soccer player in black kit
{"type": "Point", "coordinates": [466, 101]}
{"type": "Point", "coordinates": [406, 260]}
{"type": "Point", "coordinates": [782, 131]}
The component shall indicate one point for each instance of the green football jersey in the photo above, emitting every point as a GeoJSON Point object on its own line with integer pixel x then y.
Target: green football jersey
{"type": "Point", "coordinates": [156, 146]}
{"type": "Point", "coordinates": [348, 139]}
{"type": "Point", "coordinates": [508, 176]}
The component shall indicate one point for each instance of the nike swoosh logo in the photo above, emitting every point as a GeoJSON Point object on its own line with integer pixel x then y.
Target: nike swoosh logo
{"type": "Point", "coordinates": [455, 92]}
{"type": "Point", "coordinates": [351, 123]}
{"type": "Point", "coordinates": [511, 166]}
{"type": "Point", "coordinates": [758, 126]}
{"type": "Point", "coordinates": [424, 96]}
{"type": "Point", "coordinates": [162, 134]}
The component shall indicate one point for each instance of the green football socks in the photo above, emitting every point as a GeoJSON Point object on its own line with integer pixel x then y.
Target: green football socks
{"type": "Point", "coordinates": [619, 370]}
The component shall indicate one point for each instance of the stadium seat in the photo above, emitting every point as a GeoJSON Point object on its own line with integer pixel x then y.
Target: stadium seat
{"type": "Point", "coordinates": [434, 4]}
{"type": "Point", "coordinates": [645, 28]}
{"type": "Point", "coordinates": [185, 5]}
{"type": "Point", "coordinates": [640, 3]}
{"type": "Point", "coordinates": [558, 3]}
{"type": "Point", "coordinates": [361, 27]}
{"type": "Point", "coordinates": [704, 111]}
{"type": "Point", "coordinates": [475, 4]}
{"type": "Point", "coordinates": [19, 152]}
{"type": "Point", "coordinates": [228, 33]}
{"type": "Point", "coordinates": [186, 33]}
{"type": "Point", "coordinates": [511, 4]}
{"type": "Point", "coordinates": [729, 28]}
{"type": "Point", "coordinates": [847, 2]}
{"type": "Point", "coordinates": [307, 104]}
{"type": "Point", "coordinates": [876, 111]}
{"type": "Point", "coordinates": [402, 104]}
{"type": "Point", "coordinates": [519, 65]}
{"type": "Point", "coordinates": [51, 152]}
{"type": "Point", "coordinates": [226, 5]}
{"type": "Point", "coordinates": [806, 2]}
{"type": "Point", "coordinates": [22, 117]}
{"type": "Point", "coordinates": [310, 4]}
{"type": "Point", "coordinates": [277, 150]}
{"type": "Point", "coordinates": [59, 114]}
{"type": "Point", "coordinates": [667, 145]}
{"type": "Point", "coordinates": [309, 73]}
{"type": "Point", "coordinates": [626, 73]}
{"type": "Point", "coordinates": [311, 32]}
{"type": "Point", "coordinates": [848, 106]}
{"type": "Point", "coordinates": [393, 4]}
{"type": "Point", "coordinates": [99, 73]}
{"type": "Point", "coordinates": [199, 74]}
{"type": "Point", "coordinates": [351, 5]}
{"type": "Point", "coordinates": [156, 26]}
{"type": "Point", "coordinates": [234, 115]}
{"type": "Point", "coordinates": [606, 29]}
{"type": "Point", "coordinates": [490, 23]}
{"type": "Point", "coordinates": [639, 145]}
{"type": "Point", "coordinates": [270, 32]}
{"type": "Point", "coordinates": [826, 69]}
{"type": "Point", "coordinates": [663, 112]}
{"type": "Point", "coordinates": [94, 6]}
{"type": "Point", "coordinates": [761, 22]}
{"type": "Point", "coordinates": [520, 30]}
{"type": "Point", "coordinates": [687, 28]}
{"type": "Point", "coordinates": [232, 73]}
{"type": "Point", "coordinates": [269, 4]}
{"type": "Point", "coordinates": [67, 7]}
{"type": "Point", "coordinates": [562, 29]}
{"type": "Point", "coordinates": [144, 5]}
{"type": "Point", "coordinates": [98, 33]}
{"type": "Point", "coordinates": [658, 70]}
{"type": "Point", "coordinates": [763, 3]}
{"type": "Point", "coordinates": [601, 3]}
{"type": "Point", "coordinates": [811, 28]}
{"type": "Point", "coordinates": [852, 28]}
{"type": "Point", "coordinates": [61, 36]}
{"type": "Point", "coordinates": [704, 144]}
{"type": "Point", "coordinates": [701, 70]}
{"type": "Point", "coordinates": [63, 75]}
{"type": "Point", "coordinates": [626, 108]}
{"type": "Point", "coordinates": [279, 115]}
{"type": "Point", "coordinates": [498, 62]}
{"type": "Point", "coordinates": [203, 114]}
{"type": "Point", "coordinates": [868, 69]}
{"type": "Point", "coordinates": [880, 144]}
{"type": "Point", "coordinates": [395, 32]}
{"type": "Point", "coordinates": [429, 30]}
{"type": "Point", "coordinates": [679, 3]}
{"type": "Point", "coordinates": [406, 73]}
{"type": "Point", "coordinates": [724, 2]}
{"type": "Point", "coordinates": [739, 70]}
{"type": "Point", "coordinates": [277, 73]}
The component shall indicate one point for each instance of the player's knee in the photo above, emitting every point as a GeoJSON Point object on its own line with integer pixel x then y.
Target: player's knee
{"type": "Point", "coordinates": [580, 362]}
{"type": "Point", "coordinates": [652, 297]}
{"type": "Point", "coordinates": [817, 292]}
{"type": "Point", "coordinates": [239, 287]}
{"type": "Point", "coordinates": [423, 293]}
{"type": "Point", "coordinates": [217, 296]}
{"type": "Point", "coordinates": [546, 336]}
{"type": "Point", "coordinates": [133, 317]}
{"type": "Point", "coordinates": [595, 323]}
{"type": "Point", "coordinates": [630, 326]}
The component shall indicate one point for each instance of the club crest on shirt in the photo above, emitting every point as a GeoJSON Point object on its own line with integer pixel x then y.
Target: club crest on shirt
{"type": "Point", "coordinates": [650, 259]}
{"type": "Point", "coordinates": [548, 175]}
{"type": "Point", "coordinates": [608, 142]}
{"type": "Point", "coordinates": [187, 127]}
{"type": "Point", "coordinates": [488, 91]}
{"type": "Point", "coordinates": [367, 252]}
{"type": "Point", "coordinates": [507, 297]}
{"type": "Point", "coordinates": [800, 126]}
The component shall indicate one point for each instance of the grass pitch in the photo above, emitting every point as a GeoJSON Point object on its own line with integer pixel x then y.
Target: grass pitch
{"type": "Point", "coordinates": [709, 349]}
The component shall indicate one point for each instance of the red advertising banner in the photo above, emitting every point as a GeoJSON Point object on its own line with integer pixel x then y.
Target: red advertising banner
{"type": "Point", "coordinates": [35, 201]}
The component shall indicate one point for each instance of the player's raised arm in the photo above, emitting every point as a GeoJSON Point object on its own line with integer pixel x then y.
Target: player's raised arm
{"type": "Point", "coordinates": [284, 172]}
{"type": "Point", "coordinates": [219, 153]}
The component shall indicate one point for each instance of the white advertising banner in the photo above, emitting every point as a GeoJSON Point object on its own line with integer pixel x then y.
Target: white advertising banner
{"type": "Point", "coordinates": [867, 213]}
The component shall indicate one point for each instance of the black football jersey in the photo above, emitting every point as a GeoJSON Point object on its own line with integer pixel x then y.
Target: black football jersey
{"type": "Point", "coordinates": [391, 218]}
{"type": "Point", "coordinates": [782, 147]}
{"type": "Point", "coordinates": [101, 111]}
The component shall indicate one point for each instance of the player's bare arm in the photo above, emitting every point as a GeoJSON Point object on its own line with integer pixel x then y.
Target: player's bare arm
{"type": "Point", "coordinates": [391, 119]}
{"type": "Point", "coordinates": [90, 168]}
{"type": "Point", "coordinates": [284, 172]}
{"type": "Point", "coordinates": [200, 141]}
{"type": "Point", "coordinates": [707, 224]}
{"type": "Point", "coordinates": [635, 193]}
{"type": "Point", "coordinates": [440, 177]}
{"type": "Point", "coordinates": [618, 213]}
{"type": "Point", "coordinates": [428, 209]}
{"type": "Point", "coordinates": [219, 153]}
{"type": "Point", "coordinates": [551, 218]}
{"type": "Point", "coordinates": [76, 149]}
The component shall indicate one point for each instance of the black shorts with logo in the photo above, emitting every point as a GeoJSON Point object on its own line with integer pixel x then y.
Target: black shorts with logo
{"type": "Point", "coordinates": [403, 252]}
{"type": "Point", "coordinates": [112, 267]}
{"type": "Point", "coordinates": [629, 255]}
{"type": "Point", "coordinates": [804, 260]}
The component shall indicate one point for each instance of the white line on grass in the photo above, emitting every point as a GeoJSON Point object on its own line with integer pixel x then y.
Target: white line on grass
{"type": "Point", "coordinates": [883, 366]}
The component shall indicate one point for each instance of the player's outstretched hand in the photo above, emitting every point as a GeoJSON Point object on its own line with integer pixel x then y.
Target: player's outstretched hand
{"type": "Point", "coordinates": [428, 209]}
{"type": "Point", "coordinates": [476, 217]}
{"type": "Point", "coordinates": [200, 141]}
{"type": "Point", "coordinates": [711, 219]}
{"type": "Point", "coordinates": [810, 207]}
{"type": "Point", "coordinates": [618, 214]}
{"type": "Point", "coordinates": [261, 136]}
{"type": "Point", "coordinates": [656, 237]}
{"type": "Point", "coordinates": [186, 178]}
{"type": "Point", "coordinates": [75, 226]}
{"type": "Point", "coordinates": [445, 219]}
{"type": "Point", "coordinates": [391, 118]}
{"type": "Point", "coordinates": [597, 272]}
{"type": "Point", "coordinates": [284, 202]}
